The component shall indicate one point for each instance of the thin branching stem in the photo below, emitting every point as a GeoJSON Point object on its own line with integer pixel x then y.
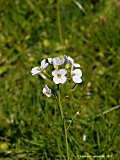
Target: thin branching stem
{"type": "Point", "coordinates": [59, 100]}
{"type": "Point", "coordinates": [64, 123]}
{"type": "Point", "coordinates": [109, 110]}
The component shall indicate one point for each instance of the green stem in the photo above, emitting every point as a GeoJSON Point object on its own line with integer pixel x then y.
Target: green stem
{"type": "Point", "coordinates": [71, 121]}
{"type": "Point", "coordinates": [64, 123]}
{"type": "Point", "coordinates": [109, 110]}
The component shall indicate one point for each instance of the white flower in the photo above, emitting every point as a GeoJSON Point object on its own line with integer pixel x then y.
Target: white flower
{"type": "Point", "coordinates": [78, 113]}
{"type": "Point", "coordinates": [57, 61]}
{"type": "Point", "coordinates": [35, 70]}
{"type": "Point", "coordinates": [71, 61]}
{"type": "Point", "coordinates": [84, 137]}
{"type": "Point", "coordinates": [76, 75]}
{"type": "Point", "coordinates": [47, 91]}
{"type": "Point", "coordinates": [43, 64]}
{"type": "Point", "coordinates": [59, 76]}
{"type": "Point", "coordinates": [50, 60]}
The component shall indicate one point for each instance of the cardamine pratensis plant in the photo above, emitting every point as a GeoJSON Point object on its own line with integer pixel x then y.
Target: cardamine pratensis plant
{"type": "Point", "coordinates": [56, 71]}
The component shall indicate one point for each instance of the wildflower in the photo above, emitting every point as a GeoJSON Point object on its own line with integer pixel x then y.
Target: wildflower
{"type": "Point", "coordinates": [76, 75]}
{"type": "Point", "coordinates": [78, 113]}
{"type": "Point", "coordinates": [37, 70]}
{"type": "Point", "coordinates": [89, 93]}
{"type": "Point", "coordinates": [43, 64]}
{"type": "Point", "coordinates": [84, 137]}
{"type": "Point", "coordinates": [59, 76]}
{"type": "Point", "coordinates": [50, 60]}
{"type": "Point", "coordinates": [47, 91]}
{"type": "Point", "coordinates": [71, 61]}
{"type": "Point", "coordinates": [57, 61]}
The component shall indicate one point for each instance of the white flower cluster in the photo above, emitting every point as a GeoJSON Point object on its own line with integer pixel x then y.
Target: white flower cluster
{"type": "Point", "coordinates": [59, 74]}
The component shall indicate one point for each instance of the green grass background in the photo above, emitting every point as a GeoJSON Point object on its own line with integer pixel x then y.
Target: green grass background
{"type": "Point", "coordinates": [29, 129]}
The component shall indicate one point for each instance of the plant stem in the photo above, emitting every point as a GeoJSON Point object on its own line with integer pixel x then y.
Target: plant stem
{"type": "Point", "coordinates": [109, 110]}
{"type": "Point", "coordinates": [64, 124]}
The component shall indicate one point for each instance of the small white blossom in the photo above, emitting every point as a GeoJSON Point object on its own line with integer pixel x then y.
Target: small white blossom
{"type": "Point", "coordinates": [43, 64]}
{"type": "Point", "coordinates": [78, 113]}
{"type": "Point", "coordinates": [47, 91]}
{"type": "Point", "coordinates": [57, 61]}
{"type": "Point", "coordinates": [50, 60]}
{"type": "Point", "coordinates": [71, 61]}
{"type": "Point", "coordinates": [59, 76]}
{"type": "Point", "coordinates": [76, 75]}
{"type": "Point", "coordinates": [84, 137]}
{"type": "Point", "coordinates": [35, 70]}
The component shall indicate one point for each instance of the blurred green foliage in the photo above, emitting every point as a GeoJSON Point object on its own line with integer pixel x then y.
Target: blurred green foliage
{"type": "Point", "coordinates": [29, 129]}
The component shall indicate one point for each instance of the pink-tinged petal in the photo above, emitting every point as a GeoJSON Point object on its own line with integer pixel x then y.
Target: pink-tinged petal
{"type": "Point", "coordinates": [57, 61]}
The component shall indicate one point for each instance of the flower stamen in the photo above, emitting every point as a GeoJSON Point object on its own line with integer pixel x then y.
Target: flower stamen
{"type": "Point", "coordinates": [59, 75]}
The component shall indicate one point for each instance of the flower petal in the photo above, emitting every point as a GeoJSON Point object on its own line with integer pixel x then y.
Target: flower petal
{"type": "Point", "coordinates": [55, 72]}
{"type": "Point", "coordinates": [77, 72]}
{"type": "Point", "coordinates": [70, 59]}
{"type": "Point", "coordinates": [76, 65]}
{"type": "Point", "coordinates": [77, 79]}
{"type": "Point", "coordinates": [57, 61]}
{"type": "Point", "coordinates": [62, 71]}
{"type": "Point", "coordinates": [63, 79]}
{"type": "Point", "coordinates": [59, 80]}
{"type": "Point", "coordinates": [35, 70]}
{"type": "Point", "coordinates": [47, 91]}
{"type": "Point", "coordinates": [50, 60]}
{"type": "Point", "coordinates": [44, 64]}
{"type": "Point", "coordinates": [44, 91]}
{"type": "Point", "coordinates": [56, 80]}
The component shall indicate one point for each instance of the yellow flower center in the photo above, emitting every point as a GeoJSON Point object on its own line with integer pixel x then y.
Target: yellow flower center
{"type": "Point", "coordinates": [56, 67]}
{"type": "Point", "coordinates": [47, 92]}
{"type": "Point", "coordinates": [59, 75]}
